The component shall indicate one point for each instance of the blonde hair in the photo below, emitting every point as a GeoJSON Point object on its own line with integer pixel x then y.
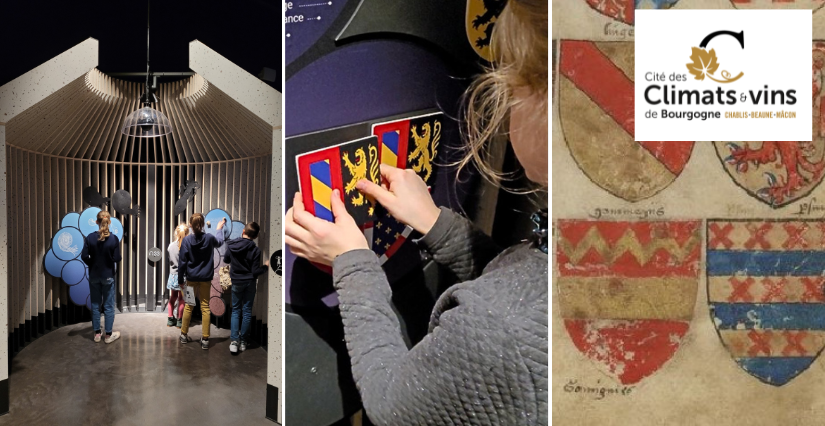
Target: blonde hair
{"type": "Point", "coordinates": [196, 222]}
{"type": "Point", "coordinates": [103, 220]}
{"type": "Point", "coordinates": [181, 231]}
{"type": "Point", "coordinates": [519, 47]}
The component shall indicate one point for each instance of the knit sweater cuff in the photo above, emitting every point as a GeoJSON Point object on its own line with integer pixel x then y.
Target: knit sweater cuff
{"type": "Point", "coordinates": [440, 230]}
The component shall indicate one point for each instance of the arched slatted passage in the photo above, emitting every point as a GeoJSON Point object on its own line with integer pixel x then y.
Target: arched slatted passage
{"type": "Point", "coordinates": [72, 139]}
{"type": "Point", "coordinates": [83, 120]}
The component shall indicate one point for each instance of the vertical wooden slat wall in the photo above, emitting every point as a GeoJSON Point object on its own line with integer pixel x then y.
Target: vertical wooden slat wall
{"type": "Point", "coordinates": [215, 141]}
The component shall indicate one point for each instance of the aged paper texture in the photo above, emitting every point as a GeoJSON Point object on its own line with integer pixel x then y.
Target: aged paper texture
{"type": "Point", "coordinates": [687, 278]}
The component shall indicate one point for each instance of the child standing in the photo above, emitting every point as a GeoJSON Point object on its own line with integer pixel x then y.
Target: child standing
{"type": "Point", "coordinates": [101, 252]}
{"type": "Point", "coordinates": [485, 357]}
{"type": "Point", "coordinates": [175, 293]}
{"type": "Point", "coordinates": [244, 258]}
{"type": "Point", "coordinates": [196, 267]}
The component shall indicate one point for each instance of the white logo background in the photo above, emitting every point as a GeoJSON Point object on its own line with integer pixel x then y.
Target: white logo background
{"type": "Point", "coordinates": [777, 53]}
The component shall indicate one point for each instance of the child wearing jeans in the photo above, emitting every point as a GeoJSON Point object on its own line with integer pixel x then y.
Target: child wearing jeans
{"type": "Point", "coordinates": [196, 267]}
{"type": "Point", "coordinates": [244, 259]}
{"type": "Point", "coordinates": [175, 293]}
{"type": "Point", "coordinates": [101, 252]}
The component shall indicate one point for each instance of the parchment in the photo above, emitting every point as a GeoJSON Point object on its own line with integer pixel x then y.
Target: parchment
{"type": "Point", "coordinates": [701, 384]}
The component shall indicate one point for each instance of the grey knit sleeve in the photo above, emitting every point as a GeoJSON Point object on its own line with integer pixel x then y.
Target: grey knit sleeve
{"type": "Point", "coordinates": [456, 243]}
{"type": "Point", "coordinates": [458, 374]}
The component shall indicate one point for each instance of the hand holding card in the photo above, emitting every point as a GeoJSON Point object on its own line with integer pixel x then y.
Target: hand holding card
{"type": "Point", "coordinates": [321, 241]}
{"type": "Point", "coordinates": [406, 198]}
{"type": "Point", "coordinates": [340, 167]}
{"type": "Point", "coordinates": [411, 143]}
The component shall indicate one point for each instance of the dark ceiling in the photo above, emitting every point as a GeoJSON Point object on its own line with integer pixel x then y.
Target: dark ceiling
{"type": "Point", "coordinates": [246, 32]}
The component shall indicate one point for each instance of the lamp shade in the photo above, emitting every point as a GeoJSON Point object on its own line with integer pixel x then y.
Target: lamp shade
{"type": "Point", "coordinates": [146, 123]}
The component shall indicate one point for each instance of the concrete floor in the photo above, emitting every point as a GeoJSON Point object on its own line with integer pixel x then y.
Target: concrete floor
{"type": "Point", "coordinates": [145, 377]}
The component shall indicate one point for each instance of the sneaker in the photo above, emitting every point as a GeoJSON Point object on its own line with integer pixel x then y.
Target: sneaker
{"type": "Point", "coordinates": [243, 346]}
{"type": "Point", "coordinates": [184, 339]}
{"type": "Point", "coordinates": [98, 337]}
{"type": "Point", "coordinates": [233, 347]}
{"type": "Point", "coordinates": [170, 322]}
{"type": "Point", "coordinates": [204, 344]}
{"type": "Point", "coordinates": [180, 323]}
{"type": "Point", "coordinates": [113, 337]}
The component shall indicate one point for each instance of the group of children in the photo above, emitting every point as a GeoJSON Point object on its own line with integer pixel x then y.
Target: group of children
{"type": "Point", "coordinates": [192, 264]}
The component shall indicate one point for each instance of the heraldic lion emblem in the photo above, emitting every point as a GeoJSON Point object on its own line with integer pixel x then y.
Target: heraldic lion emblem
{"type": "Point", "coordinates": [358, 170]}
{"type": "Point", "coordinates": [426, 145]}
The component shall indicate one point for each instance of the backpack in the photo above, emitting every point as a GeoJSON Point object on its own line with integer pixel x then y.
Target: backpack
{"type": "Point", "coordinates": [224, 275]}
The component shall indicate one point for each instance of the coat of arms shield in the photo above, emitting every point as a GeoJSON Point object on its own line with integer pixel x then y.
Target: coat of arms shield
{"type": "Point", "coordinates": [764, 281]}
{"type": "Point", "coordinates": [779, 173]}
{"type": "Point", "coordinates": [623, 10]}
{"type": "Point", "coordinates": [778, 4]}
{"type": "Point", "coordinates": [627, 291]}
{"type": "Point", "coordinates": [596, 109]}
{"type": "Point", "coordinates": [480, 21]}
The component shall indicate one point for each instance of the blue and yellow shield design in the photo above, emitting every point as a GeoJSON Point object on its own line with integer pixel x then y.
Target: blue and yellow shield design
{"type": "Point", "coordinates": [765, 281]}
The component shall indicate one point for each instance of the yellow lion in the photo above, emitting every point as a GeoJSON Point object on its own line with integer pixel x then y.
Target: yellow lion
{"type": "Point", "coordinates": [425, 148]}
{"type": "Point", "coordinates": [358, 170]}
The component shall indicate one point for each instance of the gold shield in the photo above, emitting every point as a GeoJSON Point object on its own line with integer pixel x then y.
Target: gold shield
{"type": "Point", "coordinates": [481, 19]}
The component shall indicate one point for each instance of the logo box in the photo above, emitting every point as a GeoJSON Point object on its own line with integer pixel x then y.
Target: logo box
{"type": "Point", "coordinates": [723, 75]}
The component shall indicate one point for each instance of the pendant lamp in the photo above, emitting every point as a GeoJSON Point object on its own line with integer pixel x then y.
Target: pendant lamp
{"type": "Point", "coordinates": [147, 122]}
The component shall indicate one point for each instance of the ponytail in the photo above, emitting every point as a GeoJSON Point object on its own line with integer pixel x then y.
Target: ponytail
{"type": "Point", "coordinates": [196, 222]}
{"type": "Point", "coordinates": [103, 220]}
{"type": "Point", "coordinates": [181, 231]}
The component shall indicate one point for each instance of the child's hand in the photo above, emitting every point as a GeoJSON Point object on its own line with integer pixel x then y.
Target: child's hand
{"type": "Point", "coordinates": [316, 239]}
{"type": "Point", "coordinates": [221, 224]}
{"type": "Point", "coordinates": [405, 196]}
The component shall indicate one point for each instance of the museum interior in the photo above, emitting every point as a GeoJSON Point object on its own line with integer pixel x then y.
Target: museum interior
{"type": "Point", "coordinates": [150, 148]}
{"type": "Point", "coordinates": [363, 70]}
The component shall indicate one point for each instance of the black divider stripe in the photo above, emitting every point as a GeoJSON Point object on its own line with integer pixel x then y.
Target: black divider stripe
{"type": "Point", "coordinates": [24, 252]}
{"type": "Point", "coordinates": [271, 402]}
{"type": "Point", "coordinates": [11, 174]}
{"type": "Point", "coordinates": [125, 264]}
{"type": "Point", "coordinates": [151, 218]}
{"type": "Point", "coordinates": [140, 196]}
{"type": "Point", "coordinates": [4, 397]}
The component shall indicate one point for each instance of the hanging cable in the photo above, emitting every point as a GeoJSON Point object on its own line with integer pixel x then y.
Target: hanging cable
{"type": "Point", "coordinates": [147, 122]}
{"type": "Point", "coordinates": [148, 16]}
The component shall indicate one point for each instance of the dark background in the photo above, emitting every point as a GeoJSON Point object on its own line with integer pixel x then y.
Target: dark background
{"type": "Point", "coordinates": [246, 32]}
